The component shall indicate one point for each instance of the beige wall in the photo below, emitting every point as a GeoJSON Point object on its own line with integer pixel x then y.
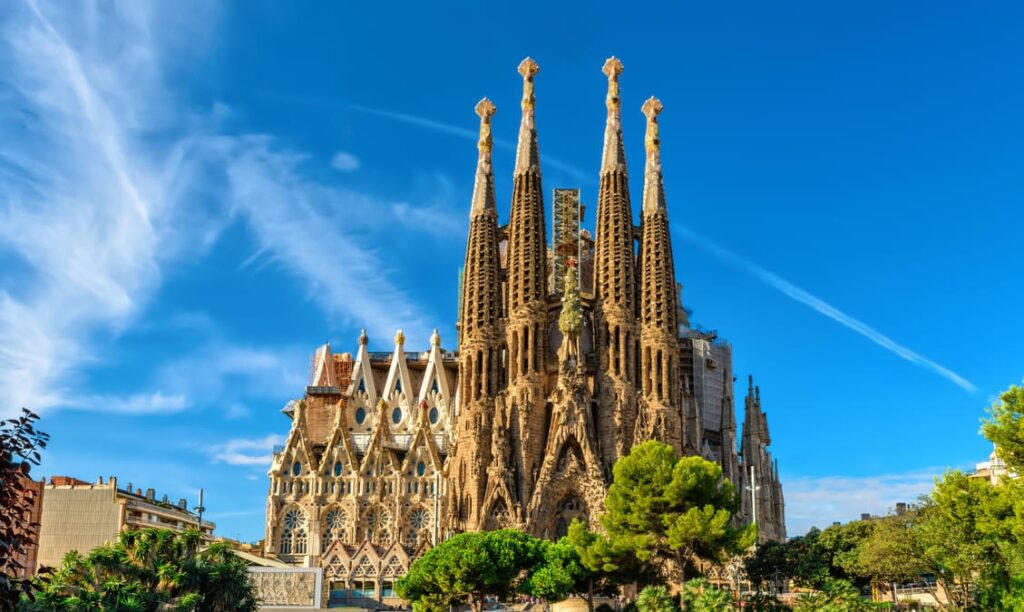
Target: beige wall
{"type": "Point", "coordinates": [79, 519]}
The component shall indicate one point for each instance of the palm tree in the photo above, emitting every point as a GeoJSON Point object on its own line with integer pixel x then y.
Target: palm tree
{"type": "Point", "coordinates": [148, 570]}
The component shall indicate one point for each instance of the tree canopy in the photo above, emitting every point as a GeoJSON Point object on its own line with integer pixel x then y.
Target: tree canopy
{"type": "Point", "coordinates": [667, 508]}
{"type": "Point", "coordinates": [148, 570]}
{"type": "Point", "coordinates": [20, 446]}
{"type": "Point", "coordinates": [469, 567]}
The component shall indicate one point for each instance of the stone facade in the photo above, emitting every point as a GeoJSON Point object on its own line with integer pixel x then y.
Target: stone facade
{"type": "Point", "coordinates": [390, 452]}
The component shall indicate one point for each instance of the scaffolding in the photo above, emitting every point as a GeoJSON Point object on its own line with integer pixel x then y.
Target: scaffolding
{"type": "Point", "coordinates": [566, 215]}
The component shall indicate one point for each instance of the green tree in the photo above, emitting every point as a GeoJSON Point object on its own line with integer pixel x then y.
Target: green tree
{"type": "Point", "coordinates": [1005, 520]}
{"type": "Point", "coordinates": [771, 563]}
{"type": "Point", "coordinates": [671, 509]}
{"type": "Point", "coordinates": [606, 563]}
{"type": "Point", "coordinates": [840, 545]}
{"type": "Point", "coordinates": [701, 596]}
{"type": "Point", "coordinates": [559, 574]}
{"type": "Point", "coordinates": [954, 547]}
{"type": "Point", "coordinates": [470, 567]}
{"type": "Point", "coordinates": [655, 599]}
{"type": "Point", "coordinates": [20, 446]}
{"type": "Point", "coordinates": [892, 553]}
{"type": "Point", "coordinates": [149, 569]}
{"type": "Point", "coordinates": [835, 596]}
{"type": "Point", "coordinates": [1005, 427]}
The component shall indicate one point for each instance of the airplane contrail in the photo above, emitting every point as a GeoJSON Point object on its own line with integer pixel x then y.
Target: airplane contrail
{"type": "Point", "coordinates": [822, 307]}
{"type": "Point", "coordinates": [454, 130]}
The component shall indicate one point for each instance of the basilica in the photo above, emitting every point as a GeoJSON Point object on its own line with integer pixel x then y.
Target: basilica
{"type": "Point", "coordinates": [569, 352]}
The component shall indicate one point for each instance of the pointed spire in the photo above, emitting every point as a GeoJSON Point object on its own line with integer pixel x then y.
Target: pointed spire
{"type": "Point", "coordinates": [654, 192]}
{"type": "Point", "coordinates": [527, 154]}
{"type": "Point", "coordinates": [483, 187]}
{"type": "Point", "coordinates": [614, 157]}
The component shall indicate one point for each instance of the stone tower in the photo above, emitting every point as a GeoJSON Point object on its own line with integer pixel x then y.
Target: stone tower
{"type": "Point", "coordinates": [759, 477]}
{"type": "Point", "coordinates": [479, 340]}
{"type": "Point", "coordinates": [526, 299]}
{"type": "Point", "coordinates": [617, 342]}
{"type": "Point", "coordinates": [660, 407]}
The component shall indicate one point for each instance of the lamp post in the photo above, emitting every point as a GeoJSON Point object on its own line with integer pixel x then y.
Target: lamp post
{"type": "Point", "coordinates": [437, 502]}
{"type": "Point", "coordinates": [199, 513]}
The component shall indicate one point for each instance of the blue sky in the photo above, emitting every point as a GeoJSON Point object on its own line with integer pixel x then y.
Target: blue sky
{"type": "Point", "coordinates": [192, 199]}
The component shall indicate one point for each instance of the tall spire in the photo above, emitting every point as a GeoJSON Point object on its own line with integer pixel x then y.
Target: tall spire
{"type": "Point", "coordinates": [483, 186]}
{"type": "Point", "coordinates": [614, 156]}
{"type": "Point", "coordinates": [659, 329]}
{"type": "Point", "coordinates": [527, 154]}
{"type": "Point", "coordinates": [617, 342]}
{"type": "Point", "coordinates": [526, 297]}
{"type": "Point", "coordinates": [479, 335]}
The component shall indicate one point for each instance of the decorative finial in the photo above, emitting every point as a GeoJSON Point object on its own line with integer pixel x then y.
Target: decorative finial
{"type": "Point", "coordinates": [485, 109]}
{"type": "Point", "coordinates": [483, 186]}
{"type": "Point", "coordinates": [528, 69]}
{"type": "Point", "coordinates": [613, 156]}
{"type": "Point", "coordinates": [527, 157]}
{"type": "Point", "coordinates": [435, 339]}
{"type": "Point", "coordinates": [363, 338]}
{"type": "Point", "coordinates": [399, 338]}
{"type": "Point", "coordinates": [612, 69]}
{"type": "Point", "coordinates": [651, 109]}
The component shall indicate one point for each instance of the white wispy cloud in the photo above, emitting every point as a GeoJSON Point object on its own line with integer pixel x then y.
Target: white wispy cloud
{"type": "Point", "coordinates": [80, 204]}
{"type": "Point", "coordinates": [105, 181]}
{"type": "Point", "coordinates": [137, 404]}
{"type": "Point", "coordinates": [232, 374]}
{"type": "Point", "coordinates": [344, 161]}
{"type": "Point", "coordinates": [299, 223]}
{"type": "Point", "coordinates": [247, 451]}
{"type": "Point", "coordinates": [822, 307]}
{"type": "Point", "coordinates": [818, 502]}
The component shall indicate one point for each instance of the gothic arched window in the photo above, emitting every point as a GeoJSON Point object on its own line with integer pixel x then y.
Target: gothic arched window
{"type": "Point", "coordinates": [293, 532]}
{"type": "Point", "coordinates": [333, 528]}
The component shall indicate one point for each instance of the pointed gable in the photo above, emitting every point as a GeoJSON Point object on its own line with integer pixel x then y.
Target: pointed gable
{"type": "Point", "coordinates": [324, 374]}
{"type": "Point", "coordinates": [435, 388]}
{"type": "Point", "coordinates": [362, 375]}
{"type": "Point", "coordinates": [398, 387]}
{"type": "Point", "coordinates": [422, 446]}
{"type": "Point", "coordinates": [296, 447]}
{"type": "Point", "coordinates": [339, 448]}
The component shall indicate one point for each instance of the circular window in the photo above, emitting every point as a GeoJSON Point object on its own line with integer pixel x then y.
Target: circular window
{"type": "Point", "coordinates": [336, 519]}
{"type": "Point", "coordinates": [360, 415]}
{"type": "Point", "coordinates": [337, 469]}
{"type": "Point", "coordinates": [418, 519]}
{"type": "Point", "coordinates": [296, 468]}
{"type": "Point", "coordinates": [294, 519]}
{"type": "Point", "coordinates": [396, 415]}
{"type": "Point", "coordinates": [421, 468]}
{"type": "Point", "coordinates": [434, 415]}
